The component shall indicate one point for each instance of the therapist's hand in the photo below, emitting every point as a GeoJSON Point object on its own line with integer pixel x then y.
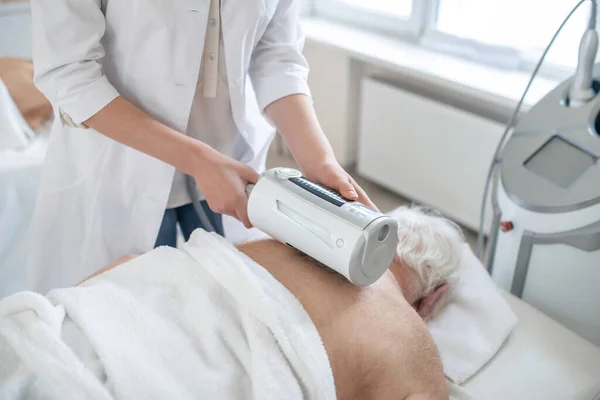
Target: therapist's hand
{"type": "Point", "coordinates": [223, 181]}
{"type": "Point", "coordinates": [329, 173]}
{"type": "Point", "coordinates": [296, 120]}
{"type": "Point", "coordinates": [220, 179]}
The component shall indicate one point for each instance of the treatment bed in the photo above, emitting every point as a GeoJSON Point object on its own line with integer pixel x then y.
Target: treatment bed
{"type": "Point", "coordinates": [540, 360]}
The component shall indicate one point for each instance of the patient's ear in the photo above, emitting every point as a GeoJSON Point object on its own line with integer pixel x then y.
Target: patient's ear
{"type": "Point", "coordinates": [429, 304]}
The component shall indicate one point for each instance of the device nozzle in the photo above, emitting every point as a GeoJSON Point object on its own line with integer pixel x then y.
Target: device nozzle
{"type": "Point", "coordinates": [249, 188]}
{"type": "Point", "coordinates": [583, 90]}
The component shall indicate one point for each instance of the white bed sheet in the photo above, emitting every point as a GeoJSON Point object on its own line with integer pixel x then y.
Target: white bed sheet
{"type": "Point", "coordinates": [20, 173]}
{"type": "Point", "coordinates": [541, 360]}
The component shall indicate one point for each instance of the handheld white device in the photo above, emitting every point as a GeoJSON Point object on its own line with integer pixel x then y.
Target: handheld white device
{"type": "Point", "coordinates": [346, 236]}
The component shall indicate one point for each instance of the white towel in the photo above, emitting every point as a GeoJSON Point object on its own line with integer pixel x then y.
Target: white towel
{"type": "Point", "coordinates": [458, 393]}
{"type": "Point", "coordinates": [233, 332]}
{"type": "Point", "coordinates": [473, 327]}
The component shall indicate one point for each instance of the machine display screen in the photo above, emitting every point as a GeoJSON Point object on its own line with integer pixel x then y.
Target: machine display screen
{"type": "Point", "coordinates": [320, 191]}
{"type": "Point", "coordinates": [560, 162]}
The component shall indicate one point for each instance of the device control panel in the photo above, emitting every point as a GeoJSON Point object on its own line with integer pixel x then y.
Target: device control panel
{"type": "Point", "coordinates": [351, 211]}
{"type": "Point", "coordinates": [321, 191]}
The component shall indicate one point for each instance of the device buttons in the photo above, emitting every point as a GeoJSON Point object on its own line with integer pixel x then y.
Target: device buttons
{"type": "Point", "coordinates": [339, 243]}
{"type": "Point", "coordinates": [506, 226]}
{"type": "Point", "coordinates": [320, 191]}
{"type": "Point", "coordinates": [287, 173]}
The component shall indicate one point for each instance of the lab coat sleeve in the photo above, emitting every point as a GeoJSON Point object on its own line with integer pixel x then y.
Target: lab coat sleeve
{"type": "Point", "coordinates": [67, 55]}
{"type": "Point", "coordinates": [278, 67]}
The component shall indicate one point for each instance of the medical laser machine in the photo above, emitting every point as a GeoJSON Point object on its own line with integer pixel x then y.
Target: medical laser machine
{"type": "Point", "coordinates": [544, 245]}
{"type": "Point", "coordinates": [346, 236]}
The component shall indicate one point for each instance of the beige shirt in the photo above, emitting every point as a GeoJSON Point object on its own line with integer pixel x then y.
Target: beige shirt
{"type": "Point", "coordinates": [211, 117]}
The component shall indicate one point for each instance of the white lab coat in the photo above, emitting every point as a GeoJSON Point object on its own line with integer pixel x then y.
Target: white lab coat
{"type": "Point", "coordinates": [98, 199]}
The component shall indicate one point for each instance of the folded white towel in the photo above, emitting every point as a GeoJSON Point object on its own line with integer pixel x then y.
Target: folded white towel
{"type": "Point", "coordinates": [232, 332]}
{"type": "Point", "coordinates": [458, 393]}
{"type": "Point", "coordinates": [473, 327]}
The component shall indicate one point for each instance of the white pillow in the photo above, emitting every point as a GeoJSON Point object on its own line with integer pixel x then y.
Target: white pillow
{"type": "Point", "coordinates": [471, 329]}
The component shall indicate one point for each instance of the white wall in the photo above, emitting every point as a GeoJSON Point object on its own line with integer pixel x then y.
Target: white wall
{"type": "Point", "coordinates": [334, 82]}
{"type": "Point", "coordinates": [15, 30]}
{"type": "Point", "coordinates": [418, 146]}
{"type": "Point", "coordinates": [430, 152]}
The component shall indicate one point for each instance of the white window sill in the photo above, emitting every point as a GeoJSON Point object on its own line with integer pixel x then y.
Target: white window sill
{"type": "Point", "coordinates": [11, 8]}
{"type": "Point", "coordinates": [495, 87]}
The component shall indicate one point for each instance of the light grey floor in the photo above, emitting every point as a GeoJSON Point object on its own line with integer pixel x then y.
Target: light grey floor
{"type": "Point", "coordinates": [385, 199]}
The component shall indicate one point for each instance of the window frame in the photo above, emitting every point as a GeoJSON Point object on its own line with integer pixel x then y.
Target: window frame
{"type": "Point", "coordinates": [306, 8]}
{"type": "Point", "coordinates": [495, 56]}
{"type": "Point", "coordinates": [407, 29]}
{"type": "Point", "coordinates": [420, 29]}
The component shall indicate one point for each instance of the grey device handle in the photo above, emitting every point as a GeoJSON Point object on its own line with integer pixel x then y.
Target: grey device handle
{"type": "Point", "coordinates": [249, 188]}
{"type": "Point", "coordinates": [192, 190]}
{"type": "Point", "coordinates": [582, 90]}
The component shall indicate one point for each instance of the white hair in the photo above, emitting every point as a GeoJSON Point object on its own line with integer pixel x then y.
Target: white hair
{"type": "Point", "coordinates": [430, 245]}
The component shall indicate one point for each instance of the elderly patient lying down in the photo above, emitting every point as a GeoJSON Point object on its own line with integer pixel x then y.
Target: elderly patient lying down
{"type": "Point", "coordinates": [152, 330]}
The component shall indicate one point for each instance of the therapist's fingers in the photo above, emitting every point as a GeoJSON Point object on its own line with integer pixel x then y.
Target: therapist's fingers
{"type": "Point", "coordinates": [362, 195]}
{"type": "Point", "coordinates": [347, 190]}
{"type": "Point", "coordinates": [336, 178]}
{"type": "Point", "coordinates": [242, 216]}
{"type": "Point", "coordinates": [241, 210]}
{"type": "Point", "coordinates": [248, 174]}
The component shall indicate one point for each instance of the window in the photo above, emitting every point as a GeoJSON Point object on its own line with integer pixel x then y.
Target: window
{"type": "Point", "coordinates": [396, 16]}
{"type": "Point", "coordinates": [398, 8]}
{"type": "Point", "coordinates": [488, 30]}
{"type": "Point", "coordinates": [524, 25]}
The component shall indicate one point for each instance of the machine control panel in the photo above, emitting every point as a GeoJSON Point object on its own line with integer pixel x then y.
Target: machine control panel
{"type": "Point", "coordinates": [320, 191]}
{"type": "Point", "coordinates": [329, 200]}
{"type": "Point", "coordinates": [560, 162]}
{"type": "Point", "coordinates": [550, 162]}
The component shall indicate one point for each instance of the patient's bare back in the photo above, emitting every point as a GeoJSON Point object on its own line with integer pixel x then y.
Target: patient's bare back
{"type": "Point", "coordinates": [378, 346]}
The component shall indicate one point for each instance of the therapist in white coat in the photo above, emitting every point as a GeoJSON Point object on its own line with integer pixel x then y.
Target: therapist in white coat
{"type": "Point", "coordinates": [147, 92]}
